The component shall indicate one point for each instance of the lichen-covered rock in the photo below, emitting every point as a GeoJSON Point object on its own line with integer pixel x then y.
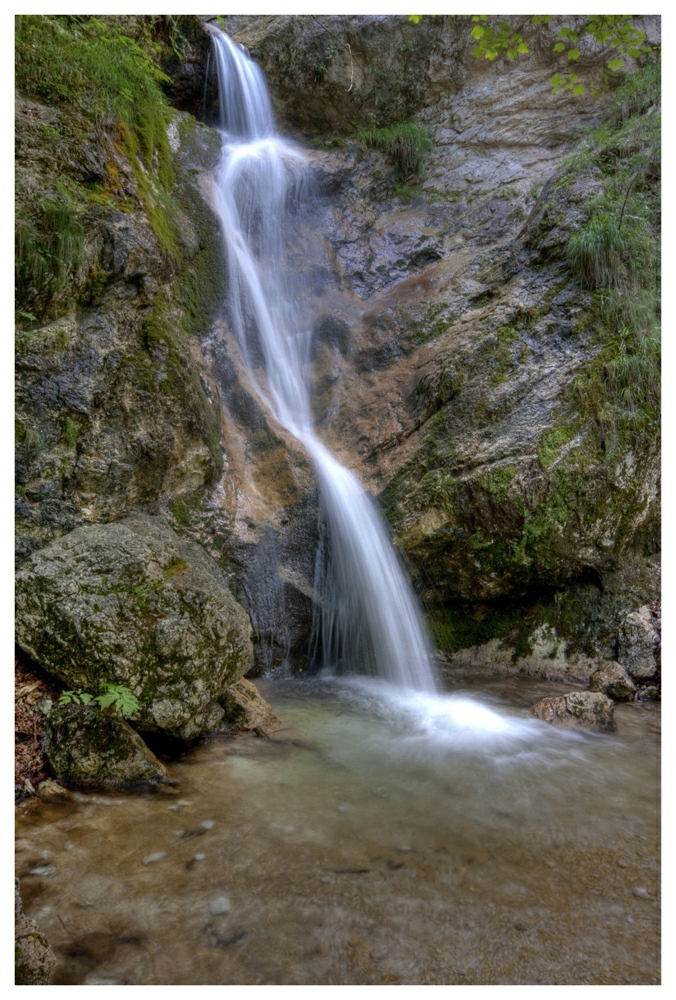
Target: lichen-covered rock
{"type": "Point", "coordinates": [247, 711]}
{"type": "Point", "coordinates": [638, 637]}
{"type": "Point", "coordinates": [33, 957]}
{"type": "Point", "coordinates": [612, 680]}
{"type": "Point", "coordinates": [132, 603]}
{"type": "Point", "coordinates": [581, 708]}
{"type": "Point", "coordinates": [94, 750]}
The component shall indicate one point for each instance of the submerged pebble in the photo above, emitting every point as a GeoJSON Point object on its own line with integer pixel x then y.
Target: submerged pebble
{"type": "Point", "coordinates": [219, 907]}
{"type": "Point", "coordinates": [151, 858]}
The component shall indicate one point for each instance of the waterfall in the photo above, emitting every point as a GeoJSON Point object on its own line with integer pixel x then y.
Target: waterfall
{"type": "Point", "coordinates": [370, 621]}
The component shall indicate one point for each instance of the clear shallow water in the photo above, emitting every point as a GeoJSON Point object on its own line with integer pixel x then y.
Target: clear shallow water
{"type": "Point", "coordinates": [378, 838]}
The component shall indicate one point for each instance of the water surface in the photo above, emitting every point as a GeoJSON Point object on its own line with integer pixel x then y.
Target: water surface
{"type": "Point", "coordinates": [378, 838]}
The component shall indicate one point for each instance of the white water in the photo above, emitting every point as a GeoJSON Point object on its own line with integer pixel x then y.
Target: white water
{"type": "Point", "coordinates": [370, 621]}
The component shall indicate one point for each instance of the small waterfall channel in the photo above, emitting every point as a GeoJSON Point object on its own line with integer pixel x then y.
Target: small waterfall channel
{"type": "Point", "coordinates": [369, 619]}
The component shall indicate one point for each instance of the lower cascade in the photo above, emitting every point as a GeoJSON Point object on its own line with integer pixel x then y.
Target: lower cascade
{"type": "Point", "coordinates": [368, 619]}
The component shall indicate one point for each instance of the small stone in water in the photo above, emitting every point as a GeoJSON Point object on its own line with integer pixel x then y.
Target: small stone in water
{"type": "Point", "coordinates": [622, 864]}
{"type": "Point", "coordinates": [404, 848]}
{"type": "Point", "coordinates": [286, 831]}
{"type": "Point", "coordinates": [207, 824]}
{"type": "Point", "coordinates": [42, 870]}
{"type": "Point", "coordinates": [178, 805]}
{"type": "Point", "coordinates": [220, 906]}
{"type": "Point", "coordinates": [345, 807]}
{"type": "Point", "coordinates": [178, 833]}
{"type": "Point", "coordinates": [198, 857]}
{"type": "Point", "coordinates": [642, 893]}
{"type": "Point", "coordinates": [157, 856]}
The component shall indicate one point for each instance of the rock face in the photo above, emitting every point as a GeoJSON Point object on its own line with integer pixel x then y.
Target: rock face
{"type": "Point", "coordinates": [613, 680]}
{"type": "Point", "coordinates": [580, 708]}
{"type": "Point", "coordinates": [33, 958]}
{"type": "Point", "coordinates": [132, 603]}
{"type": "Point", "coordinates": [114, 403]}
{"type": "Point", "coordinates": [94, 750]}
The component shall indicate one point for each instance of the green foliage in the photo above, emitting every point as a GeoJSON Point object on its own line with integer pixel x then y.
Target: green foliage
{"type": "Point", "coordinates": [406, 144]}
{"type": "Point", "coordinates": [615, 35]}
{"type": "Point", "coordinates": [97, 68]}
{"type": "Point", "coordinates": [118, 697]}
{"type": "Point", "coordinates": [616, 254]}
{"type": "Point", "coordinates": [49, 250]}
{"type": "Point", "coordinates": [492, 41]}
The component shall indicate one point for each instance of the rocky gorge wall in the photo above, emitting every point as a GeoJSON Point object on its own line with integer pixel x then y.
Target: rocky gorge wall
{"type": "Point", "coordinates": [476, 374]}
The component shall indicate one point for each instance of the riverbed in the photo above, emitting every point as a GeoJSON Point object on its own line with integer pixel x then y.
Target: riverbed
{"type": "Point", "coordinates": [375, 839]}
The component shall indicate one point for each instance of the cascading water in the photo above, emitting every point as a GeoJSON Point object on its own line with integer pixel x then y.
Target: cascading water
{"type": "Point", "coordinates": [369, 618]}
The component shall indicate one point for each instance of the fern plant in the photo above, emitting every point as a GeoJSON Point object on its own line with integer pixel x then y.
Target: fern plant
{"type": "Point", "coordinates": [117, 697]}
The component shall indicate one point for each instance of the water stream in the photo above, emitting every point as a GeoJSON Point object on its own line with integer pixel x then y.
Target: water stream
{"type": "Point", "coordinates": [369, 619]}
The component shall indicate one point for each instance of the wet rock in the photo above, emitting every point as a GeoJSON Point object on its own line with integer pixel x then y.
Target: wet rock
{"type": "Point", "coordinates": [613, 680]}
{"type": "Point", "coordinates": [581, 708]}
{"type": "Point", "coordinates": [132, 603]}
{"type": "Point", "coordinates": [33, 957]}
{"type": "Point", "coordinates": [52, 791]}
{"type": "Point", "coordinates": [638, 637]}
{"type": "Point", "coordinates": [94, 750]}
{"type": "Point", "coordinates": [246, 710]}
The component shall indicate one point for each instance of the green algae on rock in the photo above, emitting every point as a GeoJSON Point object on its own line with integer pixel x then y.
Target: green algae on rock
{"type": "Point", "coordinates": [131, 603]}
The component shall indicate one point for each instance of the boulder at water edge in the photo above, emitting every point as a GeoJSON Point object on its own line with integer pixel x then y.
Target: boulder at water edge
{"type": "Point", "coordinates": [132, 603]}
{"type": "Point", "coordinates": [613, 680]}
{"type": "Point", "coordinates": [580, 708]}
{"type": "Point", "coordinates": [33, 958]}
{"type": "Point", "coordinates": [637, 640]}
{"type": "Point", "coordinates": [94, 750]}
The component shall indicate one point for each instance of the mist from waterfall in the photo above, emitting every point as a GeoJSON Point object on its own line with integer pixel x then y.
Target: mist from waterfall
{"type": "Point", "coordinates": [369, 621]}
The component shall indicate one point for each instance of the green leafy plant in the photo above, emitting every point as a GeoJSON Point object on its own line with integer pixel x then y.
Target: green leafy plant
{"type": "Point", "coordinates": [115, 696]}
{"type": "Point", "coordinates": [615, 34]}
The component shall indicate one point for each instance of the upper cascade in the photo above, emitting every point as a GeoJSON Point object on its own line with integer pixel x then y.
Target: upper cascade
{"type": "Point", "coordinates": [246, 110]}
{"type": "Point", "coordinates": [370, 621]}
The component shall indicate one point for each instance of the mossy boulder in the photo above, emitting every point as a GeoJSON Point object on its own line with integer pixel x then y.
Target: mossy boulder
{"type": "Point", "coordinates": [94, 750]}
{"type": "Point", "coordinates": [578, 708]}
{"type": "Point", "coordinates": [612, 680]}
{"type": "Point", "coordinates": [133, 604]}
{"type": "Point", "coordinates": [33, 957]}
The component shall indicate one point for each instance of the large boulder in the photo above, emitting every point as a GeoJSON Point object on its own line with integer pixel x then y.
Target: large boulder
{"type": "Point", "coordinates": [637, 640]}
{"type": "Point", "coordinates": [579, 708]}
{"type": "Point", "coordinates": [33, 958]}
{"type": "Point", "coordinates": [91, 749]}
{"type": "Point", "coordinates": [133, 604]}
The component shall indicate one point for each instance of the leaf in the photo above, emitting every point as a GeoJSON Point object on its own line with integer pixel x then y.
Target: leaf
{"type": "Point", "coordinates": [579, 89]}
{"type": "Point", "coordinates": [615, 63]}
{"type": "Point", "coordinates": [557, 81]}
{"type": "Point", "coordinates": [415, 18]}
{"type": "Point", "coordinates": [522, 48]}
{"type": "Point", "coordinates": [574, 54]}
{"type": "Point", "coordinates": [106, 700]}
{"type": "Point", "coordinates": [559, 47]}
{"type": "Point", "coordinates": [85, 697]}
{"type": "Point", "coordinates": [28, 316]}
{"type": "Point", "coordinates": [511, 53]}
{"type": "Point", "coordinates": [478, 32]}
